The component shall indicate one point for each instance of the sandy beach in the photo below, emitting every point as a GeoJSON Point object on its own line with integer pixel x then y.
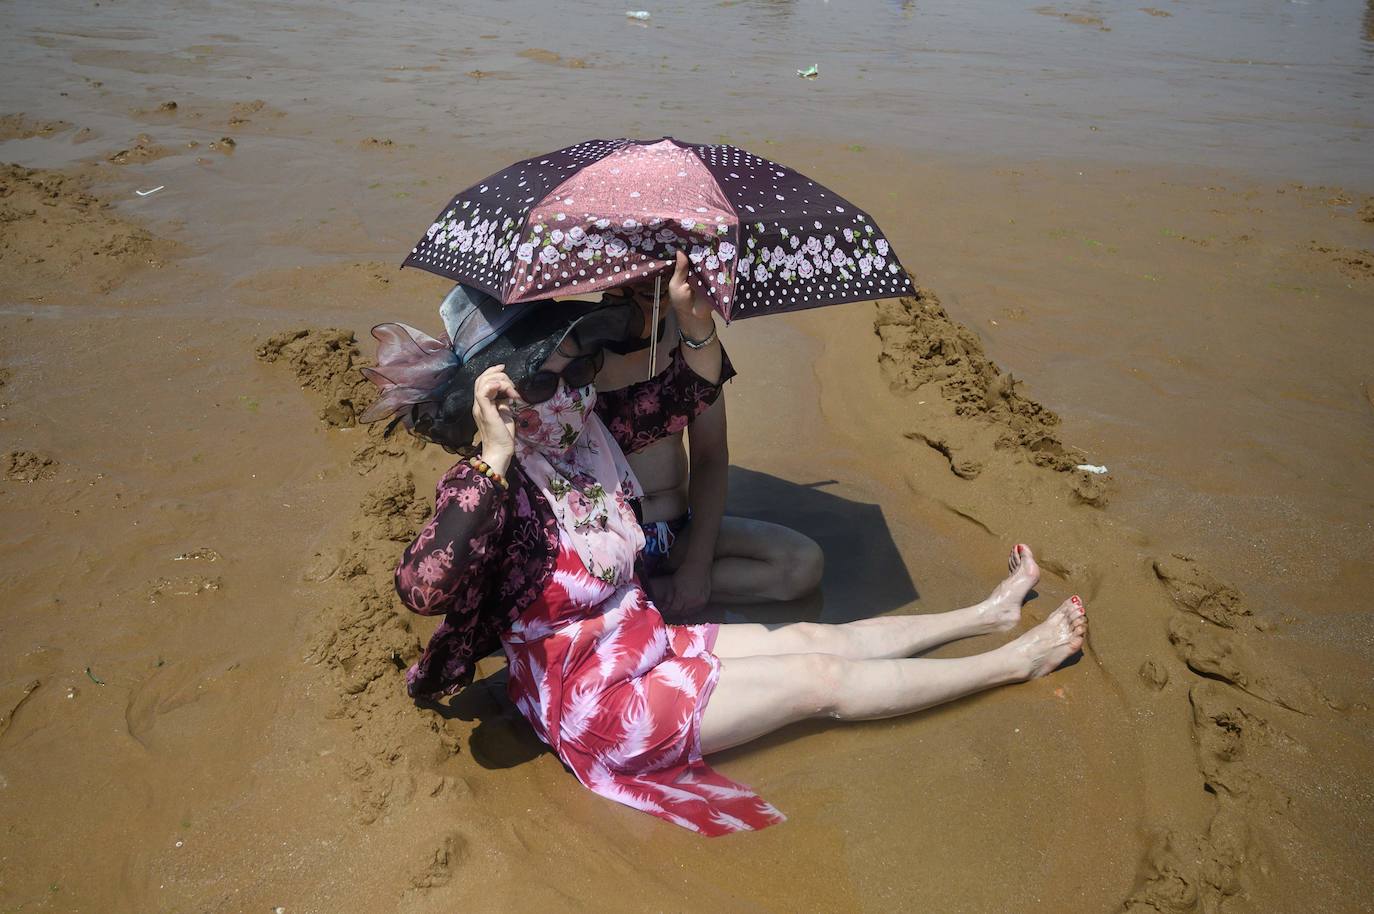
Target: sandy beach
{"type": "Point", "coordinates": [1144, 240]}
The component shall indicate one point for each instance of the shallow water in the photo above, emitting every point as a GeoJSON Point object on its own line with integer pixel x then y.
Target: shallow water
{"type": "Point", "coordinates": [1275, 87]}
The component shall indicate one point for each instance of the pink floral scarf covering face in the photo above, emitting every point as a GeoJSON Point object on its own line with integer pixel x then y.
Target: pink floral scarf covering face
{"type": "Point", "coordinates": [569, 454]}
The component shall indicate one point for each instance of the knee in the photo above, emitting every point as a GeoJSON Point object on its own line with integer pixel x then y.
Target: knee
{"type": "Point", "coordinates": [800, 566]}
{"type": "Point", "coordinates": [825, 678]}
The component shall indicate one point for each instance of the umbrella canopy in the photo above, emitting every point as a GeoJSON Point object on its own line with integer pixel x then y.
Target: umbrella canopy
{"type": "Point", "coordinates": [761, 237]}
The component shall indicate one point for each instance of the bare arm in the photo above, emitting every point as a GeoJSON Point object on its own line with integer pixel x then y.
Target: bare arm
{"type": "Point", "coordinates": [710, 464]}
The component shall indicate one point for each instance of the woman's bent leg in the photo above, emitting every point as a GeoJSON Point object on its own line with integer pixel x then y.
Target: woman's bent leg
{"type": "Point", "coordinates": [757, 561]}
{"type": "Point", "coordinates": [756, 695]}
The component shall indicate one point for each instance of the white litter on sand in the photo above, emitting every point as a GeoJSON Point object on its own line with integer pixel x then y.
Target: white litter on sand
{"type": "Point", "coordinates": [1092, 468]}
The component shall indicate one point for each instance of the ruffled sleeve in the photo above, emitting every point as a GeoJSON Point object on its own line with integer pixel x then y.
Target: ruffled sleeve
{"type": "Point", "coordinates": [448, 565]}
{"type": "Point", "coordinates": [648, 411]}
{"type": "Point", "coordinates": [449, 569]}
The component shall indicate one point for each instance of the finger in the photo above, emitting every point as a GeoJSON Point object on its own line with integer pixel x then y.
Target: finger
{"type": "Point", "coordinates": [681, 274]}
{"type": "Point", "coordinates": [507, 386]}
{"type": "Point", "coordinates": [495, 386]}
{"type": "Point", "coordinates": [493, 370]}
{"type": "Point", "coordinates": [488, 415]}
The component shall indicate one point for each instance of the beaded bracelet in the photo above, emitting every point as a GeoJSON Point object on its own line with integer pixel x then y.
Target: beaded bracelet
{"type": "Point", "coordinates": [481, 466]}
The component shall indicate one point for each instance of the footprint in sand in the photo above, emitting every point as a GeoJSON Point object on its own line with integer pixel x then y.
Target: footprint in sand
{"type": "Point", "coordinates": [1219, 653]}
{"type": "Point", "coordinates": [1197, 591]}
{"type": "Point", "coordinates": [1226, 735]}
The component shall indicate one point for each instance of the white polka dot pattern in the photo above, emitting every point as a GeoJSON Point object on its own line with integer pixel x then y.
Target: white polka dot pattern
{"type": "Point", "coordinates": [761, 237]}
{"type": "Point", "coordinates": [803, 245]}
{"type": "Point", "coordinates": [476, 236]}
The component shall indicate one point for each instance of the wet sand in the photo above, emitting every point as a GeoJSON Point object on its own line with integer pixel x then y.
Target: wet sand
{"type": "Point", "coordinates": [201, 702]}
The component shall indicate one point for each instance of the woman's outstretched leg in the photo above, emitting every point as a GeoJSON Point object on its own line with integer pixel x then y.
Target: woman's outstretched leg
{"type": "Point", "coordinates": [757, 695]}
{"type": "Point", "coordinates": [890, 636]}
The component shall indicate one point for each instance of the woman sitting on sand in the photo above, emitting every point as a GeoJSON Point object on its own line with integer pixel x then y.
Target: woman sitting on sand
{"type": "Point", "coordinates": [534, 541]}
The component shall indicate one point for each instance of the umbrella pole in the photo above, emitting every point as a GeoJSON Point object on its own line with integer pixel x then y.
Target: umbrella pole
{"type": "Point", "coordinates": [653, 330]}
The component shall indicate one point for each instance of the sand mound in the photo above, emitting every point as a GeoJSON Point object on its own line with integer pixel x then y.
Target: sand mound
{"type": "Point", "coordinates": [54, 232]}
{"type": "Point", "coordinates": [922, 345]}
{"type": "Point", "coordinates": [925, 350]}
{"type": "Point", "coordinates": [326, 361]}
{"type": "Point", "coordinates": [543, 55]}
{"type": "Point", "coordinates": [1218, 636]}
{"type": "Point", "coordinates": [142, 150]}
{"type": "Point", "coordinates": [21, 127]}
{"type": "Point", "coordinates": [1355, 263]}
{"type": "Point", "coordinates": [362, 635]}
{"type": "Point", "coordinates": [28, 466]}
{"type": "Point", "coordinates": [1197, 591]}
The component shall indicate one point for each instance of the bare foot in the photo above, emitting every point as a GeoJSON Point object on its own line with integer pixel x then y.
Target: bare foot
{"type": "Point", "coordinates": [1053, 641]}
{"type": "Point", "coordinates": [1002, 610]}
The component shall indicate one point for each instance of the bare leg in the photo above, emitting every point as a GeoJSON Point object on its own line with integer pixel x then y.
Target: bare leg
{"type": "Point", "coordinates": [890, 636]}
{"type": "Point", "coordinates": [757, 695]}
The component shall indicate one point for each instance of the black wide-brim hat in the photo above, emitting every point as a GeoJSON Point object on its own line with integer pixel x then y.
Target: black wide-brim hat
{"type": "Point", "coordinates": [427, 383]}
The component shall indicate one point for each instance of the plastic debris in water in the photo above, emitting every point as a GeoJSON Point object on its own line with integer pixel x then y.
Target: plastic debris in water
{"type": "Point", "coordinates": [1092, 468]}
{"type": "Point", "coordinates": [637, 14]}
{"type": "Point", "coordinates": [811, 72]}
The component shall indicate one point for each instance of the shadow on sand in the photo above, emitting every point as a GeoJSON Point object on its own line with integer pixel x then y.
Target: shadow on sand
{"type": "Point", "coordinates": [864, 576]}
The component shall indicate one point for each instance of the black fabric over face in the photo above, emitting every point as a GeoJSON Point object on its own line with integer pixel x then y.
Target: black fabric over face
{"type": "Point", "coordinates": [573, 328]}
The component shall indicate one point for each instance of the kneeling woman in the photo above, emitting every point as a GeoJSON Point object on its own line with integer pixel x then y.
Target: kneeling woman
{"type": "Point", "coordinates": [533, 546]}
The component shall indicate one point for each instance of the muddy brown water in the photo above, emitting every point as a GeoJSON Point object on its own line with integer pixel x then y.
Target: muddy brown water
{"type": "Point", "coordinates": [197, 582]}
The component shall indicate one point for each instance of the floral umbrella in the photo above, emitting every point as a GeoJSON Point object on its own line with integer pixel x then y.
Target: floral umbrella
{"type": "Point", "coordinates": [761, 237]}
